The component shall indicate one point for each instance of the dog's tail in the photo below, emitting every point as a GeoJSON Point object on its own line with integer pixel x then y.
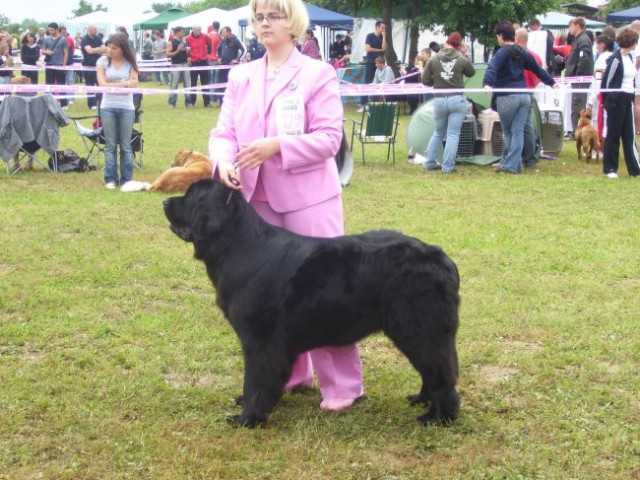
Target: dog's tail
{"type": "Point", "coordinates": [135, 186]}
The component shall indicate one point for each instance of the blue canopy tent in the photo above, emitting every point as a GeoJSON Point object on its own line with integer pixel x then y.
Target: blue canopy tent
{"type": "Point", "coordinates": [624, 16]}
{"type": "Point", "coordinates": [327, 20]}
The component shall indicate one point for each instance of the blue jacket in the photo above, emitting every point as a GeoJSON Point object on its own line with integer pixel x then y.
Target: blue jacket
{"type": "Point", "coordinates": [506, 69]}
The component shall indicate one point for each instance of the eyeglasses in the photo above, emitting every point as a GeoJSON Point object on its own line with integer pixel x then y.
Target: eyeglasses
{"type": "Point", "coordinates": [269, 17]}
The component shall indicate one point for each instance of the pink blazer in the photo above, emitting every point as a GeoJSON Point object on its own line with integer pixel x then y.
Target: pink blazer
{"type": "Point", "coordinates": [304, 173]}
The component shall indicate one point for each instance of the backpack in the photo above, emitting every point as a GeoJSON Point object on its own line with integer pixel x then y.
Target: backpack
{"type": "Point", "coordinates": [70, 161]}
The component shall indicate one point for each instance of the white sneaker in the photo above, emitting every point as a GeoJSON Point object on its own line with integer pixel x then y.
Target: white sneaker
{"type": "Point", "coordinates": [361, 109]}
{"type": "Point", "coordinates": [95, 107]}
{"type": "Point", "coordinates": [612, 175]}
{"type": "Point", "coordinates": [111, 186]}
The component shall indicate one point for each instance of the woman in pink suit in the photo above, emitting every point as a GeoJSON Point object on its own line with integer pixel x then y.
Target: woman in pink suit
{"type": "Point", "coordinates": [278, 131]}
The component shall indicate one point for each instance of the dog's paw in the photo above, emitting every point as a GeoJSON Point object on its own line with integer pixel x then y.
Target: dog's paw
{"type": "Point", "coordinates": [417, 399]}
{"type": "Point", "coordinates": [429, 419]}
{"type": "Point", "coordinates": [244, 422]}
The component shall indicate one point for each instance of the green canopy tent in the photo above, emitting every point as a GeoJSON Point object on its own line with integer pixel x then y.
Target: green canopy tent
{"type": "Point", "coordinates": [161, 21]}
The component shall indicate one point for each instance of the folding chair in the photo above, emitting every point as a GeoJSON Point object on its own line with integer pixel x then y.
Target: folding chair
{"type": "Point", "coordinates": [94, 141]}
{"type": "Point", "coordinates": [29, 130]}
{"type": "Point", "coordinates": [378, 125]}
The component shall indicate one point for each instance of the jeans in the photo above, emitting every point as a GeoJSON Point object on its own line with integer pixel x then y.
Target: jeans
{"type": "Point", "coordinates": [513, 111]}
{"type": "Point", "coordinates": [205, 79]}
{"type": "Point", "coordinates": [165, 76]}
{"type": "Point", "coordinates": [178, 76]}
{"type": "Point", "coordinates": [91, 80]}
{"type": "Point", "coordinates": [55, 77]}
{"type": "Point", "coordinates": [529, 148]}
{"type": "Point", "coordinates": [449, 113]}
{"type": "Point", "coordinates": [117, 125]}
{"type": "Point", "coordinates": [70, 79]}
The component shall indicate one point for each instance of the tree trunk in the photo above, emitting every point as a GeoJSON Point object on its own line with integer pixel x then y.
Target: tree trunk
{"type": "Point", "coordinates": [414, 31]}
{"type": "Point", "coordinates": [390, 54]}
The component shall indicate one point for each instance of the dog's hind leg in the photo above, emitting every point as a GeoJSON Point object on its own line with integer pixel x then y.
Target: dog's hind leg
{"type": "Point", "coordinates": [432, 352]}
{"type": "Point", "coordinates": [266, 371]}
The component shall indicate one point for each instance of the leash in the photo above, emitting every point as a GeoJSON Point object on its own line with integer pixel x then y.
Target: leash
{"type": "Point", "coordinates": [235, 182]}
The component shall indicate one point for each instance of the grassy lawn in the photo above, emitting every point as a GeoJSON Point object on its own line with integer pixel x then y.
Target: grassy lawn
{"type": "Point", "coordinates": [115, 362]}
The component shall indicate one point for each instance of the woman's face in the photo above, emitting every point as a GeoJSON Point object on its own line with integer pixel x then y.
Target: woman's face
{"type": "Point", "coordinates": [271, 27]}
{"type": "Point", "coordinates": [31, 39]}
{"type": "Point", "coordinates": [114, 50]}
{"type": "Point", "coordinates": [601, 47]}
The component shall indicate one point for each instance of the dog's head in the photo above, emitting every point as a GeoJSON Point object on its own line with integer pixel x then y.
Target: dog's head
{"type": "Point", "coordinates": [586, 113]}
{"type": "Point", "coordinates": [182, 157]}
{"type": "Point", "coordinates": [204, 212]}
{"type": "Point", "coordinates": [20, 80]}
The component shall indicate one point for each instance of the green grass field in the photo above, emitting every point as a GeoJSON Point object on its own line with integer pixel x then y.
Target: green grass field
{"type": "Point", "coordinates": [115, 362]}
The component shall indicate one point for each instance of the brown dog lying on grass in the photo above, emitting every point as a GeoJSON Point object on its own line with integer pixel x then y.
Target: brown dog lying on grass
{"type": "Point", "coordinates": [187, 168]}
{"type": "Point", "coordinates": [587, 137]}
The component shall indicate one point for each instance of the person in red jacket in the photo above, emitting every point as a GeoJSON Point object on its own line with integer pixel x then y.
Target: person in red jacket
{"type": "Point", "coordinates": [199, 49]}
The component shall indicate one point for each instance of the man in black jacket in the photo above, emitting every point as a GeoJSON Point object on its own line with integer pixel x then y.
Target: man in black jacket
{"type": "Point", "coordinates": [230, 51]}
{"type": "Point", "coordinates": [579, 64]}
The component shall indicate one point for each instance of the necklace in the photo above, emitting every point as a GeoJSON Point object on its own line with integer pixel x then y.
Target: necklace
{"type": "Point", "coordinates": [276, 68]}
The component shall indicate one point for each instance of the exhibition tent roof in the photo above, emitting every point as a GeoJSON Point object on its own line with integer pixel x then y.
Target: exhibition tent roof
{"type": "Point", "coordinates": [561, 20]}
{"type": "Point", "coordinates": [625, 16]}
{"type": "Point", "coordinates": [160, 22]}
{"type": "Point", "coordinates": [203, 18]}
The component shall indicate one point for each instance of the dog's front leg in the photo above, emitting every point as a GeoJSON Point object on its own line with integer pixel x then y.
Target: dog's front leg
{"type": "Point", "coordinates": [266, 370]}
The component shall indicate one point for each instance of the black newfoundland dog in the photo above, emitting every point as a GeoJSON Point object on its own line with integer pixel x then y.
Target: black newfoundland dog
{"type": "Point", "coordinates": [285, 294]}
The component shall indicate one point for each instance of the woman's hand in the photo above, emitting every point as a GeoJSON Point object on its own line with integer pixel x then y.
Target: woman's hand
{"type": "Point", "coordinates": [256, 153]}
{"type": "Point", "coordinates": [133, 83]}
{"type": "Point", "coordinates": [229, 175]}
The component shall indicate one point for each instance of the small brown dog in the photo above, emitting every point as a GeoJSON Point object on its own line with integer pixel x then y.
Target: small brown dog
{"type": "Point", "coordinates": [587, 137]}
{"type": "Point", "coordinates": [187, 167]}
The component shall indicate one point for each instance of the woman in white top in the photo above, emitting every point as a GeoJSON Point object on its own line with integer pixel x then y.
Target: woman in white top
{"type": "Point", "coordinates": [117, 69]}
{"type": "Point", "coordinates": [604, 47]}
{"type": "Point", "coordinates": [620, 75]}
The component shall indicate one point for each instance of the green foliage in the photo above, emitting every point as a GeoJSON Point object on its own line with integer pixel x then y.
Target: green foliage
{"type": "Point", "coordinates": [478, 17]}
{"type": "Point", "coordinates": [161, 7]}
{"type": "Point", "coordinates": [4, 20]}
{"type": "Point", "coordinates": [85, 7]}
{"type": "Point", "coordinates": [614, 6]}
{"type": "Point", "coordinates": [207, 4]}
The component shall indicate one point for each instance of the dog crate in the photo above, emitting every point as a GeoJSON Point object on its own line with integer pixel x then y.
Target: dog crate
{"type": "Point", "coordinates": [490, 133]}
{"type": "Point", "coordinates": [552, 129]}
{"type": "Point", "coordinates": [468, 137]}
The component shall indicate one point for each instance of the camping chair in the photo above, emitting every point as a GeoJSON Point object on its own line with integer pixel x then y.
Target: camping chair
{"type": "Point", "coordinates": [379, 124]}
{"type": "Point", "coordinates": [30, 131]}
{"type": "Point", "coordinates": [94, 141]}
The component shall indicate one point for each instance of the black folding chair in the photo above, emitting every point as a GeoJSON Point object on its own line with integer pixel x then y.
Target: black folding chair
{"type": "Point", "coordinates": [93, 137]}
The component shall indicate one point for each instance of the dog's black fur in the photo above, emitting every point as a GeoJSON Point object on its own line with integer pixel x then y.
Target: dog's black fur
{"type": "Point", "coordinates": [285, 294]}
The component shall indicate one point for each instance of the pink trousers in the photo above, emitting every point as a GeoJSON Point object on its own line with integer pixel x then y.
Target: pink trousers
{"type": "Point", "coordinates": [338, 369]}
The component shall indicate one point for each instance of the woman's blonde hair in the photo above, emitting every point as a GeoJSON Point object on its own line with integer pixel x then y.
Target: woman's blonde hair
{"type": "Point", "coordinates": [296, 12]}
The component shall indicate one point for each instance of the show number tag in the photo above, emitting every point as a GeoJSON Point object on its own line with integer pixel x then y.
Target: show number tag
{"type": "Point", "coordinates": [290, 115]}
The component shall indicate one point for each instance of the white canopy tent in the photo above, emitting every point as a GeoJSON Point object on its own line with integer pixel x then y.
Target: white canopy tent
{"type": "Point", "coordinates": [204, 19]}
{"type": "Point", "coordinates": [106, 22]}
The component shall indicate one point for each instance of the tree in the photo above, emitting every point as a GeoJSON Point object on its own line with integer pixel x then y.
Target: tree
{"type": "Point", "coordinates": [85, 7]}
{"type": "Point", "coordinates": [199, 6]}
{"type": "Point", "coordinates": [477, 18]}
{"type": "Point", "coordinates": [161, 7]}
{"type": "Point", "coordinates": [4, 20]}
{"type": "Point", "coordinates": [616, 6]}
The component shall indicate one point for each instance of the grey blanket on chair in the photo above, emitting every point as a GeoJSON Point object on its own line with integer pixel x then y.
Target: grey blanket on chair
{"type": "Point", "coordinates": [27, 119]}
